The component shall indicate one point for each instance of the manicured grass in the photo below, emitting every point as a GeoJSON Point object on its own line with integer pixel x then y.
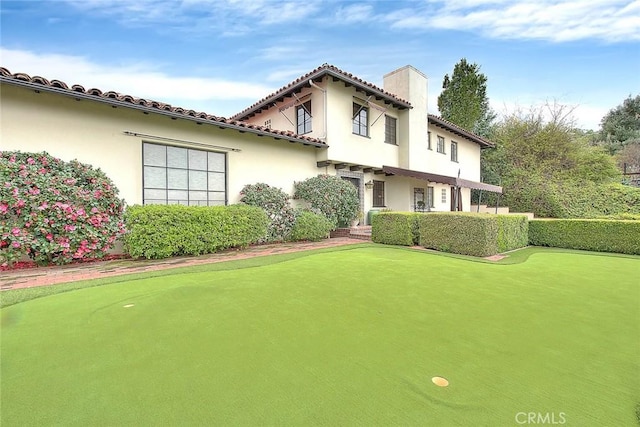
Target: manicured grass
{"type": "Point", "coordinates": [346, 337]}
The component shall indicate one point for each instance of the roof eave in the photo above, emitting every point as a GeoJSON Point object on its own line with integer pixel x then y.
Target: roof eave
{"type": "Point", "coordinates": [319, 75]}
{"type": "Point", "coordinates": [483, 143]}
{"type": "Point", "coordinates": [117, 103]}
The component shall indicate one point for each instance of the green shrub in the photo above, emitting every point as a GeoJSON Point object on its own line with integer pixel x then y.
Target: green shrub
{"type": "Point", "coordinates": [336, 198]}
{"type": "Point", "coordinates": [471, 233]}
{"type": "Point", "coordinates": [275, 202]}
{"type": "Point", "coordinates": [395, 228]}
{"type": "Point", "coordinates": [513, 232]}
{"type": "Point", "coordinates": [587, 234]}
{"type": "Point", "coordinates": [55, 211]}
{"type": "Point", "coordinates": [310, 226]}
{"type": "Point", "coordinates": [159, 231]}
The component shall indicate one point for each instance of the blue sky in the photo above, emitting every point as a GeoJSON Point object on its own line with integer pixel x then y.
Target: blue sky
{"type": "Point", "coordinates": [220, 56]}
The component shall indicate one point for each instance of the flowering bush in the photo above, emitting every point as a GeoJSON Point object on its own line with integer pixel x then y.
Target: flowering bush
{"type": "Point", "coordinates": [55, 211]}
{"type": "Point", "coordinates": [276, 203]}
{"type": "Point", "coordinates": [336, 198]}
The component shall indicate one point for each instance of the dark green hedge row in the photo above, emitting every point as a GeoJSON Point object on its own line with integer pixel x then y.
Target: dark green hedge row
{"type": "Point", "coordinates": [457, 232]}
{"type": "Point", "coordinates": [159, 231]}
{"type": "Point", "coordinates": [471, 233]}
{"type": "Point", "coordinates": [394, 228]}
{"type": "Point", "coordinates": [587, 234]}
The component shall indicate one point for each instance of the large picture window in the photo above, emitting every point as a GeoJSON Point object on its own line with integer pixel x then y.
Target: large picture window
{"type": "Point", "coordinates": [177, 175]}
{"type": "Point", "coordinates": [378, 194]}
{"type": "Point", "coordinates": [360, 120]}
{"type": "Point", "coordinates": [303, 113]}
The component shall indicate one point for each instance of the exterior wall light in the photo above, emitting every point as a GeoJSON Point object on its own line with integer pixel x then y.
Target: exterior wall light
{"type": "Point", "coordinates": [369, 185]}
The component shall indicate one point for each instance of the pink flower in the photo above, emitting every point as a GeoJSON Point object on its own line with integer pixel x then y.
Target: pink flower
{"type": "Point", "coordinates": [16, 231]}
{"type": "Point", "coordinates": [20, 203]}
{"type": "Point", "coordinates": [31, 161]}
{"type": "Point", "coordinates": [69, 227]}
{"type": "Point", "coordinates": [16, 244]}
{"type": "Point", "coordinates": [4, 208]}
{"type": "Point", "coordinates": [49, 236]}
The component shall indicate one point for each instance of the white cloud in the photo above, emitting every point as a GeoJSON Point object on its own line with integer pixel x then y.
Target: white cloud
{"type": "Point", "coordinates": [232, 17]}
{"type": "Point", "coordinates": [136, 79]}
{"type": "Point", "coordinates": [554, 20]}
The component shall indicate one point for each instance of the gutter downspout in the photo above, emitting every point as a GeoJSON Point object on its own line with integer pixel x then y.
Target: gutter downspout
{"type": "Point", "coordinates": [324, 107]}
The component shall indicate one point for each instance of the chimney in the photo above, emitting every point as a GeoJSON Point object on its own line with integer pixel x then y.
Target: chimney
{"type": "Point", "coordinates": [410, 84]}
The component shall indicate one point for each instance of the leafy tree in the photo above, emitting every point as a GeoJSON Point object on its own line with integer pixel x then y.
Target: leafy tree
{"type": "Point", "coordinates": [621, 125]}
{"type": "Point", "coordinates": [544, 163]}
{"type": "Point", "coordinates": [464, 101]}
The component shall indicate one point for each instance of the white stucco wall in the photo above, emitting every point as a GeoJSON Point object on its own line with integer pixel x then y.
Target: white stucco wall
{"type": "Point", "coordinates": [92, 132]}
{"type": "Point", "coordinates": [441, 164]}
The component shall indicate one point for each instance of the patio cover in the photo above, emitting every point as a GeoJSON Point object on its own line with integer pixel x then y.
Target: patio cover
{"type": "Point", "coordinates": [442, 179]}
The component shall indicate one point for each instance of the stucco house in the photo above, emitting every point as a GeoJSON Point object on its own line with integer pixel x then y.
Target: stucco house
{"type": "Point", "coordinates": [328, 121]}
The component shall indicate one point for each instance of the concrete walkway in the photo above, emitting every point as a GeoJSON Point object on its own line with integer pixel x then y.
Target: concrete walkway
{"type": "Point", "coordinates": [44, 276]}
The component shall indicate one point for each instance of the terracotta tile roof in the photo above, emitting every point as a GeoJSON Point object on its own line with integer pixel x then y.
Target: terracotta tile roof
{"type": "Point", "coordinates": [316, 75]}
{"type": "Point", "coordinates": [118, 99]}
{"type": "Point", "coordinates": [452, 127]}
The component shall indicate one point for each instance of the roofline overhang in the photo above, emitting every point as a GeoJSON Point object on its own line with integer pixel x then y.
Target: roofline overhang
{"type": "Point", "coordinates": [117, 103]}
{"type": "Point", "coordinates": [453, 128]}
{"type": "Point", "coordinates": [316, 77]}
{"type": "Point", "coordinates": [442, 179]}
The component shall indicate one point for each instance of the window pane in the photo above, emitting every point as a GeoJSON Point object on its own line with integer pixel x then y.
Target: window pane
{"type": "Point", "coordinates": [198, 160]}
{"type": "Point", "coordinates": [178, 179]}
{"type": "Point", "coordinates": [216, 162]}
{"type": "Point", "coordinates": [216, 196]}
{"type": "Point", "coordinates": [155, 177]}
{"type": "Point", "coordinates": [177, 195]}
{"type": "Point", "coordinates": [155, 194]}
{"type": "Point", "coordinates": [197, 180]}
{"type": "Point", "coordinates": [216, 181]}
{"type": "Point", "coordinates": [216, 202]}
{"type": "Point", "coordinates": [197, 195]}
{"type": "Point", "coordinates": [155, 202]}
{"type": "Point", "coordinates": [177, 157]}
{"type": "Point", "coordinates": [154, 155]}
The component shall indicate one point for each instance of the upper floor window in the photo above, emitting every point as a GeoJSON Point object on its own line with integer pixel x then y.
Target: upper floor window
{"type": "Point", "coordinates": [429, 141]}
{"type": "Point", "coordinates": [177, 175]}
{"type": "Point", "coordinates": [454, 151]}
{"type": "Point", "coordinates": [303, 113]}
{"type": "Point", "coordinates": [378, 194]}
{"type": "Point", "coordinates": [390, 130]}
{"type": "Point", "coordinates": [360, 120]}
{"type": "Point", "coordinates": [440, 144]}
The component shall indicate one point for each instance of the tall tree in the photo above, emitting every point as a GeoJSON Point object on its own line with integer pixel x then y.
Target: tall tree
{"type": "Point", "coordinates": [464, 101]}
{"type": "Point", "coordinates": [621, 125]}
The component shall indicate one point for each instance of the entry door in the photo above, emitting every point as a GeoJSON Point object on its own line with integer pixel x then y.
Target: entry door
{"type": "Point", "coordinates": [455, 199]}
{"type": "Point", "coordinates": [355, 182]}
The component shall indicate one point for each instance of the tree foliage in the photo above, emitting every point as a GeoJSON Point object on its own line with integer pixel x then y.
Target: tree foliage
{"type": "Point", "coordinates": [547, 167]}
{"type": "Point", "coordinates": [621, 125]}
{"type": "Point", "coordinates": [464, 101]}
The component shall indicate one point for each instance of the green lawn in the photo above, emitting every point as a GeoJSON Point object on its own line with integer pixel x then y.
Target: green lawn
{"type": "Point", "coordinates": [341, 337]}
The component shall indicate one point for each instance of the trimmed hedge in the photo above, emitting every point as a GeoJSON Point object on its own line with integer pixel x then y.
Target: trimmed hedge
{"type": "Point", "coordinates": [395, 228]}
{"type": "Point", "coordinates": [587, 234]}
{"type": "Point", "coordinates": [162, 231]}
{"type": "Point", "coordinates": [471, 233]}
{"type": "Point", "coordinates": [310, 226]}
